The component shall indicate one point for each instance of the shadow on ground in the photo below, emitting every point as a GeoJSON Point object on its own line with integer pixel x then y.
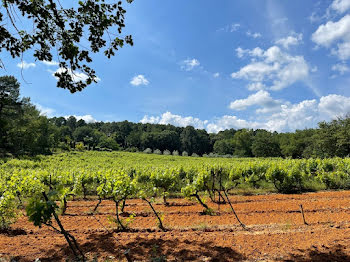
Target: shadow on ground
{"type": "Point", "coordinates": [154, 248]}
{"type": "Point", "coordinates": [181, 250]}
{"type": "Point", "coordinates": [143, 249]}
{"type": "Point", "coordinates": [335, 254]}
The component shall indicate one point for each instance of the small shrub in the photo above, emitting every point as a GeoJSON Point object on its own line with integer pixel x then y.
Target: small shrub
{"type": "Point", "coordinates": [147, 151]}
{"type": "Point", "coordinates": [157, 152]}
{"type": "Point", "coordinates": [79, 146]}
{"type": "Point", "coordinates": [194, 155]}
{"type": "Point", "coordinates": [212, 155]}
{"type": "Point", "coordinates": [175, 153]}
{"type": "Point", "coordinates": [132, 149]}
{"type": "Point", "coordinates": [184, 153]}
{"type": "Point", "coordinates": [167, 153]}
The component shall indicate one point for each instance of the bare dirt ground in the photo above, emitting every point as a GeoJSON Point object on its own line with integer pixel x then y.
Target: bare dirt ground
{"type": "Point", "coordinates": [276, 231]}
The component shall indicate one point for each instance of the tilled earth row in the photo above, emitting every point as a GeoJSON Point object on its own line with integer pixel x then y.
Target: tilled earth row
{"type": "Point", "coordinates": [275, 231]}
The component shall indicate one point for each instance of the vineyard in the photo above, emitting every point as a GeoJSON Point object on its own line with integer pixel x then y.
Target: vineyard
{"type": "Point", "coordinates": [121, 196]}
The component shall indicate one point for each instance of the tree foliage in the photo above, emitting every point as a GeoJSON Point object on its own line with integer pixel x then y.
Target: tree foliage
{"type": "Point", "coordinates": [265, 144]}
{"type": "Point", "coordinates": [22, 129]}
{"type": "Point", "coordinates": [224, 147]}
{"type": "Point", "coordinates": [64, 29]}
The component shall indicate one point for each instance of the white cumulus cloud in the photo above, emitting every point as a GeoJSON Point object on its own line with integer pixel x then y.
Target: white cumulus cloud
{"type": "Point", "coordinates": [253, 35]}
{"type": "Point", "coordinates": [86, 118]}
{"type": "Point", "coordinates": [50, 63]}
{"type": "Point", "coordinates": [327, 33]}
{"type": "Point", "coordinates": [139, 80]}
{"type": "Point", "coordinates": [341, 68]}
{"type": "Point", "coordinates": [273, 67]}
{"type": "Point", "coordinates": [25, 65]}
{"type": "Point", "coordinates": [228, 122]}
{"type": "Point", "coordinates": [284, 117]}
{"type": "Point", "coordinates": [340, 6]}
{"type": "Point", "coordinates": [177, 120]}
{"type": "Point", "coordinates": [294, 116]}
{"type": "Point", "coordinates": [343, 51]}
{"type": "Point", "coordinates": [337, 33]}
{"type": "Point", "coordinates": [290, 40]}
{"type": "Point", "coordinates": [261, 98]}
{"type": "Point", "coordinates": [45, 111]}
{"type": "Point", "coordinates": [256, 86]}
{"type": "Point", "coordinates": [334, 106]}
{"type": "Point", "coordinates": [256, 52]}
{"type": "Point", "coordinates": [189, 64]}
{"type": "Point", "coordinates": [256, 72]}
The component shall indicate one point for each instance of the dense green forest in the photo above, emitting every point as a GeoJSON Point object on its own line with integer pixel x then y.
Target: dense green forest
{"type": "Point", "coordinates": [24, 131]}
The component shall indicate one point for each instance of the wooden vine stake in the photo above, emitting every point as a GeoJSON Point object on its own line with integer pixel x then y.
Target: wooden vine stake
{"type": "Point", "coordinates": [302, 212]}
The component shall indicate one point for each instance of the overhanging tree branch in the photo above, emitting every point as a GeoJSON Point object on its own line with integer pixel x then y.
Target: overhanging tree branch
{"type": "Point", "coordinates": [63, 28]}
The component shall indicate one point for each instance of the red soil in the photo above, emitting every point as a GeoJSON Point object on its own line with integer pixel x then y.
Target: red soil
{"type": "Point", "coordinates": [275, 231]}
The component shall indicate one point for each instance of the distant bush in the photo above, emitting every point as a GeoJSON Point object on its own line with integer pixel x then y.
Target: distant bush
{"type": "Point", "coordinates": [212, 155]}
{"type": "Point", "coordinates": [194, 155]}
{"type": "Point", "coordinates": [157, 152]}
{"type": "Point", "coordinates": [63, 146]}
{"type": "Point", "coordinates": [166, 152]}
{"type": "Point", "coordinates": [79, 146]}
{"type": "Point", "coordinates": [175, 153]}
{"type": "Point", "coordinates": [131, 149]}
{"type": "Point", "coordinates": [184, 153]}
{"type": "Point", "coordinates": [205, 155]}
{"type": "Point", "coordinates": [147, 151]}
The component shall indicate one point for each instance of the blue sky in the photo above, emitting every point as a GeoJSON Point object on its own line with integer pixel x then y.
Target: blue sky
{"type": "Point", "coordinates": [278, 65]}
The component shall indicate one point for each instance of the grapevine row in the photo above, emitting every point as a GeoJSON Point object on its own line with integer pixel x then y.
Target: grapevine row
{"type": "Point", "coordinates": [45, 184]}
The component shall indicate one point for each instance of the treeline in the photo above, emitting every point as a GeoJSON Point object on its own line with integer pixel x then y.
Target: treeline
{"type": "Point", "coordinates": [24, 131]}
